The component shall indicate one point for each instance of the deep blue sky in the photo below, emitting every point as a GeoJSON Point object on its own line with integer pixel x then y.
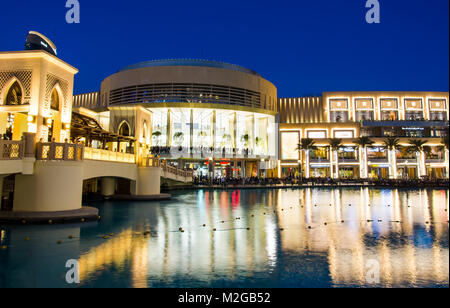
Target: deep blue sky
{"type": "Point", "coordinates": [303, 47]}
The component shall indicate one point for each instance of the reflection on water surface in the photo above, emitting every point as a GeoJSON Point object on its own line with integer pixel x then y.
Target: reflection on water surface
{"type": "Point", "coordinates": [262, 238]}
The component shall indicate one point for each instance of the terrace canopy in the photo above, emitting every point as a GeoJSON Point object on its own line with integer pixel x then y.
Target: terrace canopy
{"type": "Point", "coordinates": [89, 129]}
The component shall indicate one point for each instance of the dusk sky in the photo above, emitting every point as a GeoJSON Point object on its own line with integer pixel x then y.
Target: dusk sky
{"type": "Point", "coordinates": [303, 47]}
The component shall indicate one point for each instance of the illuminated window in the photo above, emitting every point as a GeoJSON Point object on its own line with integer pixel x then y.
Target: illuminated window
{"type": "Point", "coordinates": [389, 115]}
{"type": "Point", "coordinates": [289, 142]}
{"type": "Point", "coordinates": [144, 132]}
{"type": "Point", "coordinates": [344, 134]}
{"type": "Point", "coordinates": [14, 96]}
{"type": "Point", "coordinates": [317, 134]}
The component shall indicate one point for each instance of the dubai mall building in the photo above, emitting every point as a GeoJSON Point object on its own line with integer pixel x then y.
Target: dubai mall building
{"type": "Point", "coordinates": [228, 120]}
{"type": "Point", "coordinates": [220, 119]}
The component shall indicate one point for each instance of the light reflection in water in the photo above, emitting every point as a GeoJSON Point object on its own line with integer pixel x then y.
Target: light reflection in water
{"type": "Point", "coordinates": [296, 238]}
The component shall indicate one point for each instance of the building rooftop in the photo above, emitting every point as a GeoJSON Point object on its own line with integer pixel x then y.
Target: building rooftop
{"type": "Point", "coordinates": [189, 62]}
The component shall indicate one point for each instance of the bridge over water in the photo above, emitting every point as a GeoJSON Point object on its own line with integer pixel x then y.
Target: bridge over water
{"type": "Point", "coordinates": [49, 176]}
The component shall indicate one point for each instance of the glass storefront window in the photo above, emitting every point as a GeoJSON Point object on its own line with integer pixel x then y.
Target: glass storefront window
{"type": "Point", "coordinates": [224, 130]}
{"type": "Point", "coordinates": [348, 153]}
{"type": "Point", "coordinates": [180, 127]}
{"type": "Point", "coordinates": [389, 115]}
{"type": "Point", "coordinates": [438, 116]}
{"type": "Point", "coordinates": [376, 153]}
{"type": "Point", "coordinates": [320, 153]}
{"type": "Point", "coordinates": [159, 137]}
{"type": "Point", "coordinates": [202, 128]}
{"type": "Point", "coordinates": [339, 116]}
{"type": "Point", "coordinates": [414, 115]}
{"type": "Point", "coordinates": [232, 130]}
{"type": "Point", "coordinates": [364, 116]}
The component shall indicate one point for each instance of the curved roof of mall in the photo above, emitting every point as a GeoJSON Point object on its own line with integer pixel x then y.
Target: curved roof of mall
{"type": "Point", "coordinates": [189, 62]}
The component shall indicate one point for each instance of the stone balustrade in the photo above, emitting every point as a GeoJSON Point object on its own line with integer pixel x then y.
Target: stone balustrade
{"type": "Point", "coordinates": [12, 150]}
{"type": "Point", "coordinates": [150, 162]}
{"type": "Point", "coordinates": [59, 151]}
{"type": "Point", "coordinates": [104, 155]}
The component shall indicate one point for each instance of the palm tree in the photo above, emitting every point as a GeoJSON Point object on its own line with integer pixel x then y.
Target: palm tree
{"type": "Point", "coordinates": [445, 142]}
{"type": "Point", "coordinates": [245, 139]}
{"type": "Point", "coordinates": [306, 145]}
{"type": "Point", "coordinates": [363, 142]}
{"type": "Point", "coordinates": [226, 139]}
{"type": "Point", "coordinates": [418, 146]}
{"type": "Point", "coordinates": [335, 145]}
{"type": "Point", "coordinates": [179, 138]}
{"type": "Point", "coordinates": [259, 142]}
{"type": "Point", "coordinates": [202, 136]}
{"type": "Point", "coordinates": [157, 135]}
{"type": "Point", "coordinates": [391, 143]}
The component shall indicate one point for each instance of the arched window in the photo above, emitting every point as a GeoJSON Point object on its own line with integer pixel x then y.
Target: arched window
{"type": "Point", "coordinates": [14, 96]}
{"type": "Point", "coordinates": [55, 103]}
{"type": "Point", "coordinates": [124, 129]}
{"type": "Point", "coordinates": [145, 128]}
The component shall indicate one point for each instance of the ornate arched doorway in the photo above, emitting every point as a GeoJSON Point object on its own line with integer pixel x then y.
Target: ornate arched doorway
{"type": "Point", "coordinates": [54, 124]}
{"type": "Point", "coordinates": [14, 95]}
{"type": "Point", "coordinates": [124, 129]}
{"type": "Point", "coordinates": [15, 120]}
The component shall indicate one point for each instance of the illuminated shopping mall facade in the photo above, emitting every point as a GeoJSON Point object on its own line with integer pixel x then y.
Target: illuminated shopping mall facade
{"type": "Point", "coordinates": [229, 117]}
{"type": "Point", "coordinates": [202, 115]}
{"type": "Point", "coordinates": [219, 119]}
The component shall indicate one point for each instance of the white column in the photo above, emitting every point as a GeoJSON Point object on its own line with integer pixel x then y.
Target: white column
{"type": "Point", "coordinates": [108, 187]}
{"type": "Point", "coordinates": [392, 158]}
{"type": "Point", "coordinates": [307, 165]}
{"type": "Point", "coordinates": [50, 189]}
{"type": "Point", "coordinates": [336, 163]}
{"type": "Point", "coordinates": [149, 181]}
{"type": "Point", "coordinates": [331, 163]}
{"type": "Point", "coordinates": [363, 164]}
{"type": "Point", "coordinates": [422, 171]}
{"type": "Point", "coordinates": [446, 163]}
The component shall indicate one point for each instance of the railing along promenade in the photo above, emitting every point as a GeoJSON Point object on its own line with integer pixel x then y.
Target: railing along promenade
{"type": "Point", "coordinates": [12, 150]}
{"type": "Point", "coordinates": [78, 152]}
{"type": "Point", "coordinates": [104, 155]}
{"type": "Point", "coordinates": [59, 151]}
{"type": "Point", "coordinates": [156, 162]}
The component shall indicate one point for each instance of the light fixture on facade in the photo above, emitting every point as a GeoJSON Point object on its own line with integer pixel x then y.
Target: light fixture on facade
{"type": "Point", "coordinates": [67, 126]}
{"type": "Point", "coordinates": [31, 118]}
{"type": "Point", "coordinates": [48, 122]}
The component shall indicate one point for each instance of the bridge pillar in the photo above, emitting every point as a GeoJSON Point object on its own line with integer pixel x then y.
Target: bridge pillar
{"type": "Point", "coordinates": [148, 181]}
{"type": "Point", "coordinates": [55, 186]}
{"type": "Point", "coordinates": [108, 187]}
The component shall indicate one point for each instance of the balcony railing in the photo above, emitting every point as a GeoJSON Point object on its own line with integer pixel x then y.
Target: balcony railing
{"type": "Point", "coordinates": [11, 150]}
{"type": "Point", "coordinates": [319, 160]}
{"type": "Point", "coordinates": [204, 152]}
{"type": "Point", "coordinates": [348, 160]}
{"type": "Point", "coordinates": [178, 172]}
{"type": "Point", "coordinates": [150, 162]}
{"type": "Point", "coordinates": [59, 151]}
{"type": "Point", "coordinates": [104, 155]}
{"type": "Point", "coordinates": [435, 160]}
{"type": "Point", "coordinates": [378, 160]}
